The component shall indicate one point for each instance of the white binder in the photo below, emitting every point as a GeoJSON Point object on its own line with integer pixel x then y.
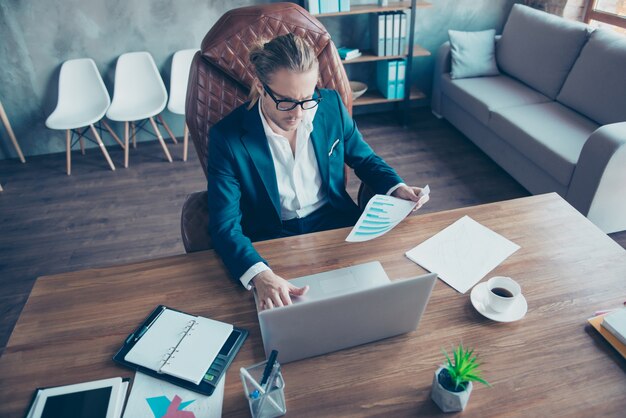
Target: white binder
{"type": "Point", "coordinates": [180, 345]}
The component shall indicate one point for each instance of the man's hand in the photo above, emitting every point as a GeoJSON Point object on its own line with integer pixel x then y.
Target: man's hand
{"type": "Point", "coordinates": [272, 290]}
{"type": "Point", "coordinates": [411, 193]}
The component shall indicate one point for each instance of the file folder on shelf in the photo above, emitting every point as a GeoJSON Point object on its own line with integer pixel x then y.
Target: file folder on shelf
{"type": "Point", "coordinates": [386, 78]}
{"type": "Point", "coordinates": [313, 6]}
{"type": "Point", "coordinates": [389, 33]}
{"type": "Point", "coordinates": [329, 6]}
{"type": "Point", "coordinates": [189, 351]}
{"type": "Point", "coordinates": [395, 43]}
{"type": "Point", "coordinates": [403, 34]}
{"type": "Point", "coordinates": [400, 79]}
{"type": "Point", "coordinates": [377, 31]}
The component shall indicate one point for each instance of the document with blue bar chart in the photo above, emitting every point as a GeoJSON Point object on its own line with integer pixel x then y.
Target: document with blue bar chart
{"type": "Point", "coordinates": [380, 216]}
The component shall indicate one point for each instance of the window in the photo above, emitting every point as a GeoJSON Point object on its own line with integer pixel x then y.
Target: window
{"type": "Point", "coordinates": [611, 13]}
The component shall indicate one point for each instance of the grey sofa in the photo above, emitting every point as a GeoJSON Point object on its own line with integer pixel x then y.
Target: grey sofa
{"type": "Point", "coordinates": [555, 117]}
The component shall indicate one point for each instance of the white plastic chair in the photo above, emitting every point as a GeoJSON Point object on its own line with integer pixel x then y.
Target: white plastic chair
{"type": "Point", "coordinates": [181, 63]}
{"type": "Point", "coordinates": [7, 126]}
{"type": "Point", "coordinates": [139, 95]}
{"type": "Point", "coordinates": [83, 100]}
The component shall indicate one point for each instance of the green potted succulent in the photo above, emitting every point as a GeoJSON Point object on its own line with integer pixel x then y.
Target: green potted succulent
{"type": "Point", "coordinates": [452, 383]}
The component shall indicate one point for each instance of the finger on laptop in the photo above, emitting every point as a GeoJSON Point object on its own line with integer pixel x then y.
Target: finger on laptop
{"type": "Point", "coordinates": [298, 291]}
{"type": "Point", "coordinates": [278, 299]}
{"type": "Point", "coordinates": [268, 303]}
{"type": "Point", "coordinates": [284, 296]}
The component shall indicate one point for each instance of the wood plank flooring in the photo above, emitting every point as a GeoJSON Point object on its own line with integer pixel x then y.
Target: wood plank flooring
{"type": "Point", "coordinates": [51, 223]}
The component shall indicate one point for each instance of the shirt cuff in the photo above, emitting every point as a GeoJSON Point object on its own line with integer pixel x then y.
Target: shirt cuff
{"type": "Point", "coordinates": [394, 188]}
{"type": "Point", "coordinates": [251, 272]}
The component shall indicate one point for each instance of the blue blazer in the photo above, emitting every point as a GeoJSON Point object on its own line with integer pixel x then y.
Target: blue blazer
{"type": "Point", "coordinates": [244, 204]}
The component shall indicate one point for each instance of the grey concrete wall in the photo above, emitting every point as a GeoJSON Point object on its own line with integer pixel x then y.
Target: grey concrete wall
{"type": "Point", "coordinates": [36, 36]}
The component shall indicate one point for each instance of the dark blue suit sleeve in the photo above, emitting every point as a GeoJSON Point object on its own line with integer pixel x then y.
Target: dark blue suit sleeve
{"type": "Point", "coordinates": [368, 166]}
{"type": "Point", "coordinates": [224, 196]}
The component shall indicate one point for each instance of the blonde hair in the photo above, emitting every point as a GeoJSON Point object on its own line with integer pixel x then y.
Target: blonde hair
{"type": "Point", "coordinates": [289, 51]}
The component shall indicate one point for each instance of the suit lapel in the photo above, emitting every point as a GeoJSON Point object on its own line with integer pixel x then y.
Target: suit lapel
{"type": "Point", "coordinates": [320, 145]}
{"type": "Point", "coordinates": [255, 141]}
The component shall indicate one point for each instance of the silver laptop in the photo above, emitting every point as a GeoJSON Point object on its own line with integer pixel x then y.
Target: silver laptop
{"type": "Point", "coordinates": [344, 308]}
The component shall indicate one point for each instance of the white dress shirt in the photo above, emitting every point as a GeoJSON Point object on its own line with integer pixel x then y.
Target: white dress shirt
{"type": "Point", "coordinates": [298, 177]}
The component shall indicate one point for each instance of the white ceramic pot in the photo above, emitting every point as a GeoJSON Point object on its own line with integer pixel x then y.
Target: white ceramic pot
{"type": "Point", "coordinates": [446, 400]}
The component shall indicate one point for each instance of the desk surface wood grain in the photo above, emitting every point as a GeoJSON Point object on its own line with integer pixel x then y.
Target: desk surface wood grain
{"type": "Point", "coordinates": [548, 364]}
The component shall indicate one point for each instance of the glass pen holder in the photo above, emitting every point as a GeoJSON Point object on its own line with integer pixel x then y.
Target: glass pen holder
{"type": "Point", "coordinates": [265, 401]}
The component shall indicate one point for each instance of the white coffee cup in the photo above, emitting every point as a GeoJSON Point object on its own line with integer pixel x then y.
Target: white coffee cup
{"type": "Point", "coordinates": [502, 293]}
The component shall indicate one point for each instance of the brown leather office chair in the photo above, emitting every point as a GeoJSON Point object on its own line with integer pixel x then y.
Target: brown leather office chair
{"type": "Point", "coordinates": [220, 81]}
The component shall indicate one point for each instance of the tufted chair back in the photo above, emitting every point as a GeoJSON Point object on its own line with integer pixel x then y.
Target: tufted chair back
{"type": "Point", "coordinates": [221, 75]}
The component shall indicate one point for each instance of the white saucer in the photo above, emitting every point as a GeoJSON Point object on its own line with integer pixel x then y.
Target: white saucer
{"type": "Point", "coordinates": [479, 300]}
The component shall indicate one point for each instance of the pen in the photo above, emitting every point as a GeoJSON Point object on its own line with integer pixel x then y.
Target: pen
{"type": "Point", "coordinates": [332, 148]}
{"type": "Point", "coordinates": [269, 366]}
{"type": "Point", "coordinates": [605, 311]}
{"type": "Point", "coordinates": [146, 327]}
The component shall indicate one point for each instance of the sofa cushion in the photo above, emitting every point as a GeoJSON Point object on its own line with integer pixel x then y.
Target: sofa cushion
{"type": "Point", "coordinates": [596, 86]}
{"type": "Point", "coordinates": [473, 53]}
{"type": "Point", "coordinates": [480, 96]}
{"type": "Point", "coordinates": [539, 48]}
{"type": "Point", "coordinates": [549, 134]}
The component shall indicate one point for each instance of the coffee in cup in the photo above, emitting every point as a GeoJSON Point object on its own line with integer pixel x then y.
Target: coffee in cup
{"type": "Point", "coordinates": [503, 291]}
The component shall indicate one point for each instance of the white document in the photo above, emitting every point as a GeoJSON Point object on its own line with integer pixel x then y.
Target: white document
{"type": "Point", "coordinates": [180, 345]}
{"type": "Point", "coordinates": [381, 215]}
{"type": "Point", "coordinates": [150, 397]}
{"type": "Point", "coordinates": [463, 253]}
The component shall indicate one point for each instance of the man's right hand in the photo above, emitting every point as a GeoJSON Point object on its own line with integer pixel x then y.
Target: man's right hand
{"type": "Point", "coordinates": [272, 290]}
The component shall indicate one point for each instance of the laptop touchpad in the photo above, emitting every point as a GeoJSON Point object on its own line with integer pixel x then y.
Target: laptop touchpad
{"type": "Point", "coordinates": [338, 284]}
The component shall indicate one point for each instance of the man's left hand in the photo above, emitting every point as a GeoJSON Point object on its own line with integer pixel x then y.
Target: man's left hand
{"type": "Point", "coordinates": [411, 193]}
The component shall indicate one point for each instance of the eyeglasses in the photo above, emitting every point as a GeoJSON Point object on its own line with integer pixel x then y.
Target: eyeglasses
{"type": "Point", "coordinates": [287, 104]}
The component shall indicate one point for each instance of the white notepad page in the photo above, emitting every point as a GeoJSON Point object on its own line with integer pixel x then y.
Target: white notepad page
{"type": "Point", "coordinates": [170, 332]}
{"type": "Point", "coordinates": [197, 350]}
{"type": "Point", "coordinates": [463, 253]}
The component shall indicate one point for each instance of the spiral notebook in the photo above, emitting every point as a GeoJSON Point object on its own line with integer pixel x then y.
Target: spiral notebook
{"type": "Point", "coordinates": [187, 350]}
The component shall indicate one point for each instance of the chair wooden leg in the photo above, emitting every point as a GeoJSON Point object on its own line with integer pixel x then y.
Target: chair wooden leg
{"type": "Point", "coordinates": [7, 125]}
{"type": "Point", "coordinates": [1, 189]}
{"type": "Point", "coordinates": [82, 145]}
{"type": "Point", "coordinates": [126, 145]}
{"type": "Point", "coordinates": [132, 124]}
{"type": "Point", "coordinates": [167, 128]}
{"type": "Point", "coordinates": [185, 142]}
{"type": "Point", "coordinates": [102, 147]}
{"type": "Point", "coordinates": [113, 134]}
{"type": "Point", "coordinates": [68, 151]}
{"type": "Point", "coordinates": [158, 134]}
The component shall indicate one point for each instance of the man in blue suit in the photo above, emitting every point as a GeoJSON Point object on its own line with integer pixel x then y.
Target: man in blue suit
{"type": "Point", "coordinates": [276, 166]}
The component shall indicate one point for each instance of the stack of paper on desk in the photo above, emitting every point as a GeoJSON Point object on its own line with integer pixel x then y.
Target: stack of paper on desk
{"type": "Point", "coordinates": [463, 253]}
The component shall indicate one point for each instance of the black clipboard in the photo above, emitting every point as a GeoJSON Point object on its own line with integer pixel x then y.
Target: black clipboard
{"type": "Point", "coordinates": [215, 372]}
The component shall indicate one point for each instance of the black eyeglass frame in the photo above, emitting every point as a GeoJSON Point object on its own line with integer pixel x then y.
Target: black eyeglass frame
{"type": "Point", "coordinates": [294, 103]}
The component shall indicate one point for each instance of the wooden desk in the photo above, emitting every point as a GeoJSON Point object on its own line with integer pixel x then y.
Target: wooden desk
{"type": "Point", "coordinates": [548, 364]}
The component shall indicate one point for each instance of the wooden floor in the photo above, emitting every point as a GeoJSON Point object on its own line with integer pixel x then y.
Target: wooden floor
{"type": "Point", "coordinates": [51, 223]}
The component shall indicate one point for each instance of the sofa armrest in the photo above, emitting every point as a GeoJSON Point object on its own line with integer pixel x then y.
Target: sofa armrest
{"type": "Point", "coordinates": [598, 186]}
{"type": "Point", "coordinates": [442, 66]}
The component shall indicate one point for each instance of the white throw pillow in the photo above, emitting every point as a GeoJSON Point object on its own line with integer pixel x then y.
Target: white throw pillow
{"type": "Point", "coordinates": [473, 53]}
